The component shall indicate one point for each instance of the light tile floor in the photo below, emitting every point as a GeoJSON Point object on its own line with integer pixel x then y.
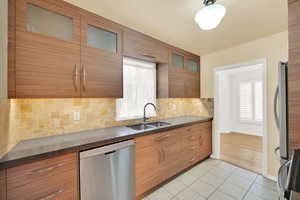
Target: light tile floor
{"type": "Point", "coordinates": [216, 180]}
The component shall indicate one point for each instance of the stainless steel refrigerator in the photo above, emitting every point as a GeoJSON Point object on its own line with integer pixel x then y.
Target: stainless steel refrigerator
{"type": "Point", "coordinates": [281, 118]}
{"type": "Point", "coordinates": [289, 171]}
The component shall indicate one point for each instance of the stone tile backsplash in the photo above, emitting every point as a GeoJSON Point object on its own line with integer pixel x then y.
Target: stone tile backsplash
{"type": "Point", "coordinates": [22, 119]}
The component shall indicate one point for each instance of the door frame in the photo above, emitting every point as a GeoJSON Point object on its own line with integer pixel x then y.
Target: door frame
{"type": "Point", "coordinates": [216, 132]}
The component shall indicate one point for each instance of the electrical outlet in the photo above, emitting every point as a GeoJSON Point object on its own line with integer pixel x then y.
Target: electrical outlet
{"type": "Point", "coordinates": [76, 116]}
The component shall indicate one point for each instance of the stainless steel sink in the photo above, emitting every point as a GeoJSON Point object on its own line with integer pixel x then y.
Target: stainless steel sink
{"type": "Point", "coordinates": [158, 124]}
{"type": "Point", "coordinates": [139, 127]}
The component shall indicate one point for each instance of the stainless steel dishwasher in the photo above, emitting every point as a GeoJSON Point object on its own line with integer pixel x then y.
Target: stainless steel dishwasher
{"type": "Point", "coordinates": [107, 173]}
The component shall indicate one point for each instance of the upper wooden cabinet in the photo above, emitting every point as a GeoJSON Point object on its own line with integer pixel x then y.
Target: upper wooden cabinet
{"type": "Point", "coordinates": [140, 46]}
{"type": "Point", "coordinates": [181, 77]}
{"type": "Point", "coordinates": [63, 51]}
{"type": "Point", "coordinates": [101, 57]}
{"type": "Point", "coordinates": [57, 50]}
{"type": "Point", "coordinates": [47, 49]}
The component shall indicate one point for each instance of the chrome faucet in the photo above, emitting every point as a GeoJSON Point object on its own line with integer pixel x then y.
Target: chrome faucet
{"type": "Point", "coordinates": [145, 118]}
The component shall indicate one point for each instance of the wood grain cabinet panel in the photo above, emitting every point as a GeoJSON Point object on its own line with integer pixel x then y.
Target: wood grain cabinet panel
{"type": "Point", "coordinates": [140, 46]}
{"type": "Point", "coordinates": [101, 58]}
{"type": "Point", "coordinates": [3, 184]}
{"type": "Point", "coordinates": [294, 76]}
{"type": "Point", "coordinates": [163, 155]}
{"type": "Point", "coordinates": [53, 178]}
{"type": "Point", "coordinates": [179, 79]}
{"type": "Point", "coordinates": [45, 64]}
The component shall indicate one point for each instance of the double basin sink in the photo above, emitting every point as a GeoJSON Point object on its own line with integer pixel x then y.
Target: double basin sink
{"type": "Point", "coordinates": [145, 126]}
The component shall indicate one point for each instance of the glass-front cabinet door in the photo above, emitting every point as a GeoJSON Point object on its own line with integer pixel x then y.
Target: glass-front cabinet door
{"type": "Point", "coordinates": [193, 66]}
{"type": "Point", "coordinates": [192, 77]}
{"type": "Point", "coordinates": [177, 60]}
{"type": "Point", "coordinates": [47, 49]}
{"type": "Point", "coordinates": [101, 57]}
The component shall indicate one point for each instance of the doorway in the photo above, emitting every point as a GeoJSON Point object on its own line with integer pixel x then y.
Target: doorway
{"type": "Point", "coordinates": [240, 116]}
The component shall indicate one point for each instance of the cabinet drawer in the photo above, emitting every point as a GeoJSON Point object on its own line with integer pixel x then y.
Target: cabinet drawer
{"type": "Point", "coordinates": [53, 178]}
{"type": "Point", "coordinates": [142, 47]}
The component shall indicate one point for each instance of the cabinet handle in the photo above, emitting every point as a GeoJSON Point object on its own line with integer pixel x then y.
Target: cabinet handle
{"type": "Point", "coordinates": [83, 78]}
{"type": "Point", "coordinates": [76, 73]}
{"type": "Point", "coordinates": [40, 171]}
{"type": "Point", "coordinates": [53, 195]}
{"type": "Point", "coordinates": [147, 55]}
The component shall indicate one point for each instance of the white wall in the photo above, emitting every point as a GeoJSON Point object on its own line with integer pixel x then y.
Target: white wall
{"type": "Point", "coordinates": [274, 48]}
{"type": "Point", "coordinates": [3, 48]}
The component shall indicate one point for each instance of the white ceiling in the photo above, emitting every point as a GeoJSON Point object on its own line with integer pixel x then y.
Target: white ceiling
{"type": "Point", "coordinates": [172, 21]}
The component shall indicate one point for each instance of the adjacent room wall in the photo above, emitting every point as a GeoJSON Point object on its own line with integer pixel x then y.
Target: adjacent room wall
{"type": "Point", "coordinates": [274, 48]}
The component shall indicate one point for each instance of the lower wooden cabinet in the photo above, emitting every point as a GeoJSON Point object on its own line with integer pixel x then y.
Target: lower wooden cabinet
{"type": "Point", "coordinates": [53, 178]}
{"type": "Point", "coordinates": [162, 155]}
{"type": "Point", "coordinates": [2, 185]}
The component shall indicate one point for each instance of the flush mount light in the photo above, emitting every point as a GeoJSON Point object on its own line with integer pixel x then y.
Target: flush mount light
{"type": "Point", "coordinates": [210, 16]}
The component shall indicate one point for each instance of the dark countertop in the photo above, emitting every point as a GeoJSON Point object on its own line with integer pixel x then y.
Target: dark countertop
{"type": "Point", "coordinates": [47, 146]}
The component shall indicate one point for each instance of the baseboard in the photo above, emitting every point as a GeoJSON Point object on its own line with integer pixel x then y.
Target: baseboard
{"type": "Point", "coordinates": [268, 176]}
{"type": "Point", "coordinates": [214, 156]}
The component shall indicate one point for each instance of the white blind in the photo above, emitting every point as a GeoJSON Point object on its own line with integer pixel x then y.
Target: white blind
{"type": "Point", "coordinates": [258, 94]}
{"type": "Point", "coordinates": [246, 101]}
{"type": "Point", "coordinates": [139, 88]}
{"type": "Point", "coordinates": [251, 101]}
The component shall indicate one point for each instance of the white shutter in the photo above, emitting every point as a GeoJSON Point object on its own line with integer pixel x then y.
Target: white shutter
{"type": "Point", "coordinates": [246, 106]}
{"type": "Point", "coordinates": [139, 88]}
{"type": "Point", "coordinates": [258, 100]}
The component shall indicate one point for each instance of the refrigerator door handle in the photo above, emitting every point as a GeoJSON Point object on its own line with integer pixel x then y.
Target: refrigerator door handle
{"type": "Point", "coordinates": [275, 108]}
{"type": "Point", "coordinates": [277, 153]}
{"type": "Point", "coordinates": [280, 180]}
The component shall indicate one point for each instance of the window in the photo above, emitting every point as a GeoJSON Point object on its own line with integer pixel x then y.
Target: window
{"type": "Point", "coordinates": [139, 88]}
{"type": "Point", "coordinates": [251, 101]}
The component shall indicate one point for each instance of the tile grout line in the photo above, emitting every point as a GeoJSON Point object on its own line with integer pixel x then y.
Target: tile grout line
{"type": "Point", "coordinates": [249, 188]}
{"type": "Point", "coordinates": [221, 186]}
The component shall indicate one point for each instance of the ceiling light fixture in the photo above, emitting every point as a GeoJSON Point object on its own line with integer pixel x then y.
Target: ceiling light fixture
{"type": "Point", "coordinates": [210, 16]}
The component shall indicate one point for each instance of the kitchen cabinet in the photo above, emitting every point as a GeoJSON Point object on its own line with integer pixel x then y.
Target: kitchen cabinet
{"type": "Point", "coordinates": [181, 77]}
{"type": "Point", "coordinates": [57, 50]}
{"type": "Point", "coordinates": [47, 49]}
{"type": "Point", "coordinates": [192, 77]}
{"type": "Point", "coordinates": [163, 155]}
{"type": "Point", "coordinates": [2, 185]}
{"type": "Point", "coordinates": [62, 51]}
{"type": "Point", "coordinates": [140, 46]}
{"type": "Point", "coordinates": [101, 57]}
{"type": "Point", "coordinates": [52, 178]}
{"type": "Point", "coordinates": [294, 76]}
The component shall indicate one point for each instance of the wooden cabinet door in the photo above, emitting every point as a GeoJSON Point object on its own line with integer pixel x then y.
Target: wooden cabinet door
{"type": "Point", "coordinates": [148, 161]}
{"type": "Point", "coordinates": [294, 76]}
{"type": "Point", "coordinates": [192, 78]}
{"type": "Point", "coordinates": [170, 144]}
{"type": "Point", "coordinates": [101, 57]}
{"type": "Point", "coordinates": [204, 140]}
{"type": "Point", "coordinates": [176, 75]}
{"type": "Point", "coordinates": [140, 46]}
{"type": "Point", "coordinates": [2, 184]}
{"type": "Point", "coordinates": [47, 49]}
{"type": "Point", "coordinates": [52, 178]}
